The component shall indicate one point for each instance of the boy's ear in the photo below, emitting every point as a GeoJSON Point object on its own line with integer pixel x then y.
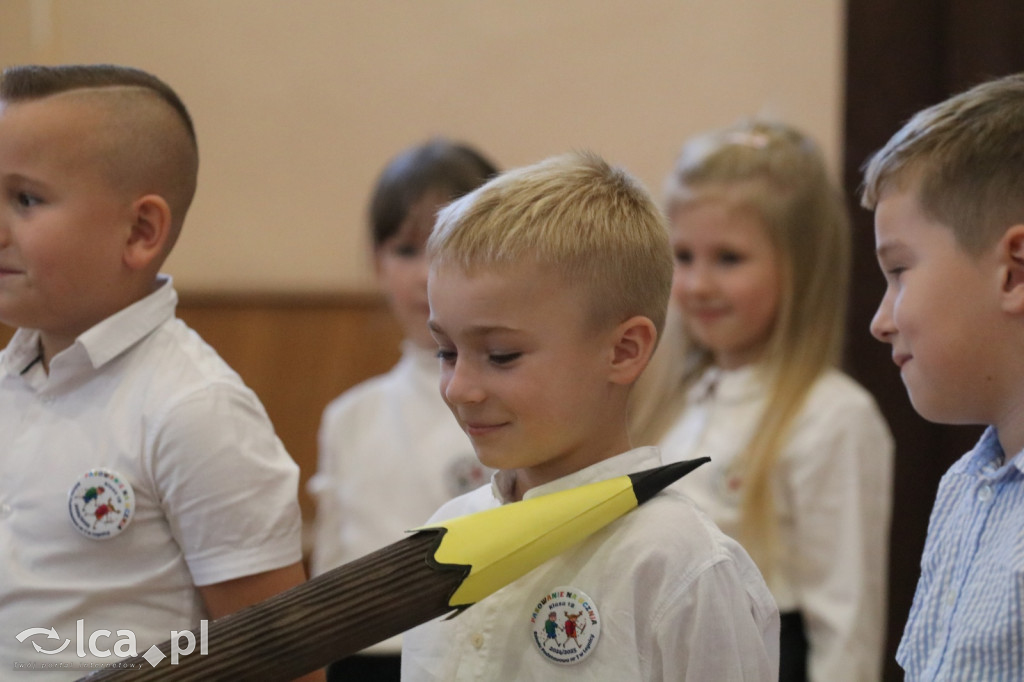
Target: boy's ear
{"type": "Point", "coordinates": [150, 231]}
{"type": "Point", "coordinates": [634, 343]}
{"type": "Point", "coordinates": [1011, 248]}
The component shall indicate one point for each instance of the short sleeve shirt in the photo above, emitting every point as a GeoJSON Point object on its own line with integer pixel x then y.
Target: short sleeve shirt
{"type": "Point", "coordinates": [214, 492]}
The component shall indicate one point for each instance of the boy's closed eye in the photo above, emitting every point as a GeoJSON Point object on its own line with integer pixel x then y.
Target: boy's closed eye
{"type": "Point", "coordinates": [504, 358]}
{"type": "Point", "coordinates": [448, 356]}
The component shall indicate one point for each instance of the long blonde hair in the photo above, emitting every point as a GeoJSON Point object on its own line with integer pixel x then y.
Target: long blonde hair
{"type": "Point", "coordinates": [779, 173]}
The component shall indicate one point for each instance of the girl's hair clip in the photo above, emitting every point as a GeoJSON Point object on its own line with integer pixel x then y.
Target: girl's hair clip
{"type": "Point", "coordinates": [747, 139]}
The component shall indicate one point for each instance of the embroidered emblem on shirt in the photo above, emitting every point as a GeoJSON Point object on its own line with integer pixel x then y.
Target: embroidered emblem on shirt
{"type": "Point", "coordinates": [465, 473]}
{"type": "Point", "coordinates": [101, 504]}
{"type": "Point", "coordinates": [565, 625]}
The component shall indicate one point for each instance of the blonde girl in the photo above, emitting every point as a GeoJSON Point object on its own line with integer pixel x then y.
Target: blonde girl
{"type": "Point", "coordinates": [801, 457]}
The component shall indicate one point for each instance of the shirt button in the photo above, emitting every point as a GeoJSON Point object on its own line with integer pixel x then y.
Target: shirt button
{"type": "Point", "coordinates": [5, 510]}
{"type": "Point", "coordinates": [477, 640]}
{"type": "Point", "coordinates": [985, 493]}
{"type": "Point", "coordinates": [950, 598]}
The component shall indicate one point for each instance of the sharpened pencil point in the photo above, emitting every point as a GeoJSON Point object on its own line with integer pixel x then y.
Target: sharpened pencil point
{"type": "Point", "coordinates": [647, 484]}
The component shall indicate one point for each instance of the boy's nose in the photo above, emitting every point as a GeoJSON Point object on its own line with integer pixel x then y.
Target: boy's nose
{"type": "Point", "coordinates": [882, 327]}
{"type": "Point", "coordinates": [459, 385]}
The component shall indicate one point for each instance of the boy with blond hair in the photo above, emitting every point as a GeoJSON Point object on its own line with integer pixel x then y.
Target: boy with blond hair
{"type": "Point", "coordinates": [948, 196]}
{"type": "Point", "coordinates": [142, 488]}
{"type": "Point", "coordinates": [548, 289]}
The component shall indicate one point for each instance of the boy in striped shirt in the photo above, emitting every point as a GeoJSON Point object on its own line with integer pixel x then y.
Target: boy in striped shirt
{"type": "Point", "coordinates": [948, 196]}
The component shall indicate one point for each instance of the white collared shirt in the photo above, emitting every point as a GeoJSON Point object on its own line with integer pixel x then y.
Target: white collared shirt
{"type": "Point", "coordinates": [215, 493]}
{"type": "Point", "coordinates": [677, 600]}
{"type": "Point", "coordinates": [833, 492]}
{"type": "Point", "coordinates": [391, 453]}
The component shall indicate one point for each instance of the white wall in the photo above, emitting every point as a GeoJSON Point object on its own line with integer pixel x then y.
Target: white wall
{"type": "Point", "coordinates": [298, 103]}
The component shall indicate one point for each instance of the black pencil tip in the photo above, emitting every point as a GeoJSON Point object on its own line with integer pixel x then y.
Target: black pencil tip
{"type": "Point", "coordinates": [647, 484]}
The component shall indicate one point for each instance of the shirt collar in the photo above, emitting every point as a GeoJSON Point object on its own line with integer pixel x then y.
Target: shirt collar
{"type": "Point", "coordinates": [21, 352]}
{"type": "Point", "coordinates": [125, 328]}
{"type": "Point", "coordinates": [987, 455]}
{"type": "Point", "coordinates": [632, 461]}
{"type": "Point", "coordinates": [105, 340]}
{"type": "Point", "coordinates": [728, 385]}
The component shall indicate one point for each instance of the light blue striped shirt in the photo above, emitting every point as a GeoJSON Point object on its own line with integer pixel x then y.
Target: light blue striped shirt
{"type": "Point", "coordinates": [967, 621]}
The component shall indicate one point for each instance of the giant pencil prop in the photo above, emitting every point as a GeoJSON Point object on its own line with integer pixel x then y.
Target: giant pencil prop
{"type": "Point", "coordinates": [436, 570]}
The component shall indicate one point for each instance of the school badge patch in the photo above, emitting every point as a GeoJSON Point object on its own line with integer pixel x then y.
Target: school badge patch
{"type": "Point", "coordinates": [566, 625]}
{"type": "Point", "coordinates": [101, 504]}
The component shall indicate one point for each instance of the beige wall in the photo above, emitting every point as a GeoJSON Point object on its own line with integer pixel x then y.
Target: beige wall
{"type": "Point", "coordinates": [298, 103]}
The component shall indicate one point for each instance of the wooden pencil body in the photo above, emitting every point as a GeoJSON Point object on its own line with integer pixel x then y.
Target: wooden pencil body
{"type": "Point", "coordinates": [400, 586]}
{"type": "Point", "coordinates": [325, 619]}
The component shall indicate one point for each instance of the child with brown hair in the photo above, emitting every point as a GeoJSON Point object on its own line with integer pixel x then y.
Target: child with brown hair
{"type": "Point", "coordinates": [142, 488]}
{"type": "Point", "coordinates": [949, 229]}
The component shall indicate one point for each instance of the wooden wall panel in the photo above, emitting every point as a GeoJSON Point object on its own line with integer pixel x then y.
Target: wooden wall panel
{"type": "Point", "coordinates": [297, 353]}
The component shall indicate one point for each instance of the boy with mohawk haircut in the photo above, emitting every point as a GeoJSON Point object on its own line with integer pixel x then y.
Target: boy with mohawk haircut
{"type": "Point", "coordinates": [948, 196]}
{"type": "Point", "coordinates": [142, 487]}
{"type": "Point", "coordinates": [548, 289]}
